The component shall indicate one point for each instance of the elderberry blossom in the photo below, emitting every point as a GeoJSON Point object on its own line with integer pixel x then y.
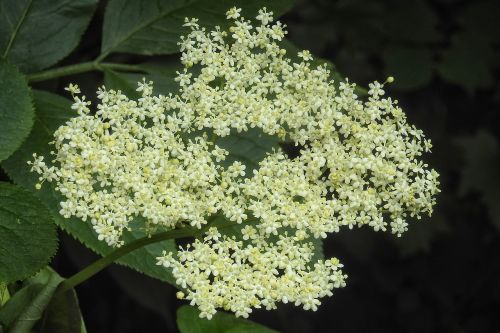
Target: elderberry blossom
{"type": "Point", "coordinates": [156, 160]}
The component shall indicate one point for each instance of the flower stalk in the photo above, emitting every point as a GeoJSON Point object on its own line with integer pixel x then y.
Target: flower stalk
{"type": "Point", "coordinates": [105, 261]}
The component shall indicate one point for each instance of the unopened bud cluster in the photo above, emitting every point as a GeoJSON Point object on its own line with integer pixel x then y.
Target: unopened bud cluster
{"type": "Point", "coordinates": [359, 164]}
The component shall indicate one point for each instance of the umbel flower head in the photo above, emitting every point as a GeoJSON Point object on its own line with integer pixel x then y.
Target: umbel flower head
{"type": "Point", "coordinates": [359, 164]}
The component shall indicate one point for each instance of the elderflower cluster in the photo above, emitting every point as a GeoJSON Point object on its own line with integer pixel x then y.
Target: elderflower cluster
{"type": "Point", "coordinates": [238, 276]}
{"type": "Point", "coordinates": [156, 160]}
{"type": "Point", "coordinates": [127, 160]}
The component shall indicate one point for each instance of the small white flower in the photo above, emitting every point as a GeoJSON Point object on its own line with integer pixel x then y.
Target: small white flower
{"type": "Point", "coordinates": [233, 13]}
{"type": "Point", "coordinates": [73, 89]}
{"type": "Point", "coordinates": [306, 55]}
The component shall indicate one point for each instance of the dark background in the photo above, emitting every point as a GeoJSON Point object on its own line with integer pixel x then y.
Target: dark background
{"type": "Point", "coordinates": [441, 276]}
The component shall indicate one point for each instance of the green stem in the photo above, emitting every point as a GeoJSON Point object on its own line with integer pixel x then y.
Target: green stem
{"type": "Point", "coordinates": [81, 68]}
{"type": "Point", "coordinates": [121, 67]}
{"type": "Point", "coordinates": [103, 262]}
{"type": "Point", "coordinates": [63, 71]}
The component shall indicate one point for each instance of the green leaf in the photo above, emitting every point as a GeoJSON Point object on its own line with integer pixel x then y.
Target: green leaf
{"type": "Point", "coordinates": [162, 74]}
{"type": "Point", "coordinates": [37, 34]}
{"type": "Point", "coordinates": [154, 27]}
{"type": "Point", "coordinates": [411, 66]}
{"type": "Point", "coordinates": [51, 112]}
{"type": "Point", "coordinates": [119, 81]}
{"type": "Point", "coordinates": [16, 111]}
{"type": "Point", "coordinates": [26, 307]}
{"type": "Point", "coordinates": [468, 63]}
{"type": "Point", "coordinates": [189, 321]}
{"type": "Point", "coordinates": [63, 314]}
{"type": "Point", "coordinates": [28, 235]}
{"type": "Point", "coordinates": [249, 147]}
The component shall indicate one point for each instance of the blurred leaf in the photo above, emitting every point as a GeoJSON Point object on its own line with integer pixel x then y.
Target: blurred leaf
{"type": "Point", "coordinates": [28, 235]}
{"type": "Point", "coordinates": [63, 314]}
{"type": "Point", "coordinates": [26, 307]}
{"type": "Point", "coordinates": [413, 21]}
{"type": "Point", "coordinates": [411, 67]}
{"type": "Point", "coordinates": [37, 34]}
{"type": "Point", "coordinates": [16, 110]}
{"type": "Point", "coordinates": [481, 171]}
{"type": "Point", "coordinates": [188, 321]}
{"type": "Point", "coordinates": [119, 81]}
{"type": "Point", "coordinates": [51, 112]}
{"type": "Point", "coordinates": [154, 27]}
{"type": "Point", "coordinates": [468, 63]}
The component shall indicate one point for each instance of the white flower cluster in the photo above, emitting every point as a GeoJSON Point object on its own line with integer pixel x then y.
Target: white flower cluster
{"type": "Point", "coordinates": [228, 274]}
{"type": "Point", "coordinates": [359, 164]}
{"type": "Point", "coordinates": [128, 160]}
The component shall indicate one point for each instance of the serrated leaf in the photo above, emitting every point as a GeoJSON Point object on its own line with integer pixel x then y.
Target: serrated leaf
{"type": "Point", "coordinates": [16, 111]}
{"type": "Point", "coordinates": [28, 235]}
{"type": "Point", "coordinates": [154, 27]}
{"type": "Point", "coordinates": [51, 112]}
{"type": "Point", "coordinates": [189, 321]}
{"type": "Point", "coordinates": [26, 307]}
{"type": "Point", "coordinates": [37, 34]}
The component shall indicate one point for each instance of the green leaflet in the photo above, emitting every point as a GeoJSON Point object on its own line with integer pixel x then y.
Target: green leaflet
{"type": "Point", "coordinates": [37, 34]}
{"type": "Point", "coordinates": [26, 307]}
{"type": "Point", "coordinates": [16, 110]}
{"type": "Point", "coordinates": [27, 234]}
{"type": "Point", "coordinates": [161, 73]}
{"type": "Point", "coordinates": [188, 321]}
{"type": "Point", "coordinates": [63, 314]}
{"type": "Point", "coordinates": [37, 301]}
{"type": "Point", "coordinates": [51, 112]}
{"type": "Point", "coordinates": [154, 27]}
